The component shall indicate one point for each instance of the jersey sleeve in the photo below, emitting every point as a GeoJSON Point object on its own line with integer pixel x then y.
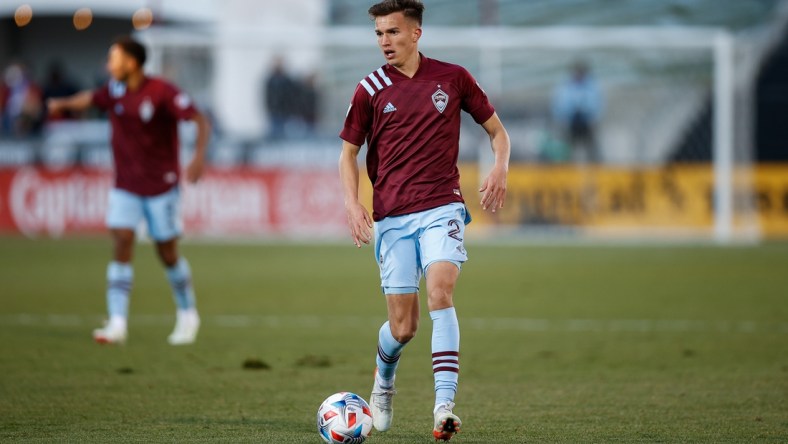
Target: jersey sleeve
{"type": "Point", "coordinates": [101, 98]}
{"type": "Point", "coordinates": [474, 99]}
{"type": "Point", "coordinates": [359, 118]}
{"type": "Point", "coordinates": [178, 103]}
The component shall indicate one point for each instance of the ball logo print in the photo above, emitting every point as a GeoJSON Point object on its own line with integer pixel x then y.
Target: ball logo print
{"type": "Point", "coordinates": [344, 418]}
{"type": "Point", "coordinates": [440, 99]}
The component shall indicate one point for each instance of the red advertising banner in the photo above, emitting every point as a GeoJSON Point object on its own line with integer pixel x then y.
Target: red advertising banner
{"type": "Point", "coordinates": [237, 202]}
{"type": "Point", "coordinates": [308, 203]}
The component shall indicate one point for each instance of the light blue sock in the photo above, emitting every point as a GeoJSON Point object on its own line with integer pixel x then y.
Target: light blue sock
{"type": "Point", "coordinates": [180, 277]}
{"type": "Point", "coordinates": [445, 353]}
{"type": "Point", "coordinates": [389, 350]}
{"type": "Point", "coordinates": [119, 279]}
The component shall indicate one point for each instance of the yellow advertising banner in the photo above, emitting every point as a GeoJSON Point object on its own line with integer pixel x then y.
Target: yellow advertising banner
{"type": "Point", "coordinates": [676, 198]}
{"type": "Point", "coordinates": [771, 199]}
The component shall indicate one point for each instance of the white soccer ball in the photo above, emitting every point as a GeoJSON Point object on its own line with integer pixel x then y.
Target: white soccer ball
{"type": "Point", "coordinates": [344, 418]}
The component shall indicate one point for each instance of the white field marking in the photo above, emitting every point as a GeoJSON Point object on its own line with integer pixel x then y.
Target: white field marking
{"type": "Point", "coordinates": [482, 324]}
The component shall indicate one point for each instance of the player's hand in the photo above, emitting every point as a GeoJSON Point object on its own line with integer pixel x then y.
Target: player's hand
{"type": "Point", "coordinates": [493, 189]}
{"type": "Point", "coordinates": [360, 223]}
{"type": "Point", "coordinates": [194, 170]}
{"type": "Point", "coordinates": [55, 106]}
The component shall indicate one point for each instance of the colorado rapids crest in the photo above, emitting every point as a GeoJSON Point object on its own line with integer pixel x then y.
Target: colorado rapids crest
{"type": "Point", "coordinates": [146, 110]}
{"type": "Point", "coordinates": [440, 99]}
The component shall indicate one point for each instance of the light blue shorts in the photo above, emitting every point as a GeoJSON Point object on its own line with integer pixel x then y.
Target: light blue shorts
{"type": "Point", "coordinates": [405, 246]}
{"type": "Point", "coordinates": [161, 213]}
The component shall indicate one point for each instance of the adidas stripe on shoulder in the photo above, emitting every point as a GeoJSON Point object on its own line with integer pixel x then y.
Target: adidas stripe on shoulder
{"type": "Point", "coordinates": [375, 81]}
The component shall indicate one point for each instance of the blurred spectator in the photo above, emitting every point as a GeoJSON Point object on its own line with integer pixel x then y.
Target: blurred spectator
{"type": "Point", "coordinates": [489, 13]}
{"type": "Point", "coordinates": [21, 104]}
{"type": "Point", "coordinates": [308, 104]}
{"type": "Point", "coordinates": [577, 107]}
{"type": "Point", "coordinates": [339, 13]}
{"type": "Point", "coordinates": [58, 85]}
{"type": "Point", "coordinates": [281, 95]}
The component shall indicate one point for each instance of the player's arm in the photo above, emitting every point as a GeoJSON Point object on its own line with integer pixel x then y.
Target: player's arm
{"type": "Point", "coordinates": [494, 186]}
{"type": "Point", "coordinates": [76, 103]}
{"type": "Point", "coordinates": [196, 167]}
{"type": "Point", "coordinates": [357, 216]}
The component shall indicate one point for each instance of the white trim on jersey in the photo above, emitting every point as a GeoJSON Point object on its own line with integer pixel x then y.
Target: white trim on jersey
{"type": "Point", "coordinates": [383, 76]}
{"type": "Point", "coordinates": [367, 87]}
{"type": "Point", "coordinates": [375, 81]}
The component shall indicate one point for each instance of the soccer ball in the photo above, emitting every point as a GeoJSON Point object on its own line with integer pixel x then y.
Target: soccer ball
{"type": "Point", "coordinates": [344, 418]}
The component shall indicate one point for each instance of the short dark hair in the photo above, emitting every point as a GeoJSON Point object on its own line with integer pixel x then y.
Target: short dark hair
{"type": "Point", "coordinates": [413, 9]}
{"type": "Point", "coordinates": [133, 48]}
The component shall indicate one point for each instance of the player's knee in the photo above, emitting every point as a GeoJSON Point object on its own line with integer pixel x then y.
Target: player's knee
{"type": "Point", "coordinates": [441, 297]}
{"type": "Point", "coordinates": [405, 331]}
{"type": "Point", "coordinates": [405, 336]}
{"type": "Point", "coordinates": [123, 238]}
{"type": "Point", "coordinates": [441, 279]}
{"type": "Point", "coordinates": [441, 292]}
{"type": "Point", "coordinates": [168, 259]}
{"type": "Point", "coordinates": [123, 245]}
{"type": "Point", "coordinates": [168, 254]}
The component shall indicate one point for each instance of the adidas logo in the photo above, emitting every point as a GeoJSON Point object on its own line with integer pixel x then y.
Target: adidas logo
{"type": "Point", "coordinates": [389, 108]}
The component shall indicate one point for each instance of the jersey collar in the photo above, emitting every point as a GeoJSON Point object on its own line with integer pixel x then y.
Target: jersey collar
{"type": "Point", "coordinates": [423, 60]}
{"type": "Point", "coordinates": [141, 86]}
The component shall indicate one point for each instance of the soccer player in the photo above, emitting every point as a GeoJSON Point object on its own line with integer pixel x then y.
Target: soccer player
{"type": "Point", "coordinates": [408, 113]}
{"type": "Point", "coordinates": [144, 113]}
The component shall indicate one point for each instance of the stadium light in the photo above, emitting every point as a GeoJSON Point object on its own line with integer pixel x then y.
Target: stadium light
{"type": "Point", "coordinates": [83, 18]}
{"type": "Point", "coordinates": [23, 15]}
{"type": "Point", "coordinates": [142, 19]}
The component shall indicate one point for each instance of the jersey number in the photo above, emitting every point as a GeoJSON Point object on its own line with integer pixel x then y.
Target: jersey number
{"type": "Point", "coordinates": [454, 233]}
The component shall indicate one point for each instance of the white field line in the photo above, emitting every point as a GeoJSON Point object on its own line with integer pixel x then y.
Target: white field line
{"type": "Point", "coordinates": [482, 324]}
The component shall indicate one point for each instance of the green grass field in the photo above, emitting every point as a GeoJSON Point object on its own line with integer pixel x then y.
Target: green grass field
{"type": "Point", "coordinates": [559, 344]}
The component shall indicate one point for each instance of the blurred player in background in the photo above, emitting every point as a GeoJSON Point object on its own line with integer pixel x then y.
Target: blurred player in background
{"type": "Point", "coordinates": [577, 108]}
{"type": "Point", "coordinates": [408, 113]}
{"type": "Point", "coordinates": [20, 103]}
{"type": "Point", "coordinates": [144, 113]}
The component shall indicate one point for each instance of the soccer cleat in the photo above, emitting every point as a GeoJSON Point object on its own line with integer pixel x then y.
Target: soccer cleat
{"type": "Point", "coordinates": [447, 424]}
{"type": "Point", "coordinates": [381, 405]}
{"type": "Point", "coordinates": [111, 333]}
{"type": "Point", "coordinates": [187, 324]}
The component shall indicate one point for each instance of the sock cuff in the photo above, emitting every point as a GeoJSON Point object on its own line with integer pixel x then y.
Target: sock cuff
{"type": "Point", "coordinates": [443, 313]}
{"type": "Point", "coordinates": [384, 382]}
{"type": "Point", "coordinates": [180, 269]}
{"type": "Point", "coordinates": [118, 320]}
{"type": "Point", "coordinates": [386, 338]}
{"type": "Point", "coordinates": [120, 271]}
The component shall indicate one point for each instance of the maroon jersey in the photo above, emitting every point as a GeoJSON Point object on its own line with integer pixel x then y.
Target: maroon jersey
{"type": "Point", "coordinates": [412, 130]}
{"type": "Point", "coordinates": [145, 133]}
